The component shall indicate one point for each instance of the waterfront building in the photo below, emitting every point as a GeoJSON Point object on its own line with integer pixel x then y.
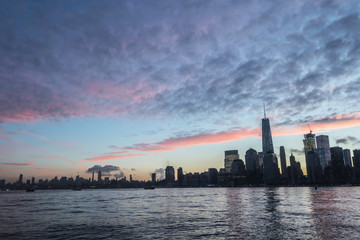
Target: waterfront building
{"type": "Point", "coordinates": [251, 161]}
{"type": "Point", "coordinates": [356, 158]}
{"type": "Point", "coordinates": [338, 166]}
{"type": "Point", "coordinates": [270, 164]}
{"type": "Point", "coordinates": [321, 153]}
{"type": "Point", "coordinates": [170, 175]}
{"type": "Point", "coordinates": [267, 144]}
{"type": "Point", "coordinates": [213, 176]}
{"type": "Point", "coordinates": [238, 171]}
{"type": "Point", "coordinates": [313, 167]}
{"type": "Point", "coordinates": [153, 177]}
{"type": "Point", "coordinates": [20, 178]}
{"type": "Point", "coordinates": [271, 169]}
{"type": "Point", "coordinates": [230, 156]}
{"type": "Point", "coordinates": [99, 176]}
{"type": "Point", "coordinates": [337, 157]}
{"type": "Point", "coordinates": [322, 142]}
{"type": "Point", "coordinates": [283, 161]}
{"type": "Point", "coordinates": [347, 157]}
{"type": "Point", "coordinates": [309, 142]}
{"type": "Point", "coordinates": [180, 176]}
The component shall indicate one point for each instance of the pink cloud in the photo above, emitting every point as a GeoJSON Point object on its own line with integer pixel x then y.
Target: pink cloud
{"type": "Point", "coordinates": [112, 157]}
{"type": "Point", "coordinates": [34, 135]}
{"type": "Point", "coordinates": [133, 94]}
{"type": "Point", "coordinates": [319, 125]}
{"type": "Point", "coordinates": [172, 144]}
{"type": "Point", "coordinates": [26, 163]}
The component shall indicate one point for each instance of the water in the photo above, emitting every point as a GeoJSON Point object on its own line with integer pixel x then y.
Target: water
{"type": "Point", "coordinates": [195, 213]}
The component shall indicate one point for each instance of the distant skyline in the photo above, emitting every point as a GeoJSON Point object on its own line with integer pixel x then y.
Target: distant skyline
{"type": "Point", "coordinates": [140, 85]}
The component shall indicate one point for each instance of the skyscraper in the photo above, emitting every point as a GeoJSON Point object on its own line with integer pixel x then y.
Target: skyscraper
{"type": "Point", "coordinates": [337, 157]}
{"type": "Point", "coordinates": [213, 176]}
{"type": "Point", "coordinates": [271, 169]}
{"type": "Point", "coordinates": [347, 157]}
{"type": "Point", "coordinates": [356, 158]}
{"type": "Point", "coordinates": [322, 142]}
{"type": "Point", "coordinates": [267, 144]}
{"type": "Point", "coordinates": [337, 163]}
{"type": "Point", "coordinates": [251, 161]}
{"type": "Point", "coordinates": [20, 178]}
{"type": "Point", "coordinates": [309, 142]}
{"type": "Point", "coordinates": [153, 177]}
{"type": "Point", "coordinates": [283, 161]}
{"type": "Point", "coordinates": [230, 156]}
{"type": "Point", "coordinates": [170, 174]}
{"type": "Point", "coordinates": [180, 176]}
{"type": "Point", "coordinates": [99, 176]}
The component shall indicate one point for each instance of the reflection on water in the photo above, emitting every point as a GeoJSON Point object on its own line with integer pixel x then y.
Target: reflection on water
{"type": "Point", "coordinates": [205, 213]}
{"type": "Point", "coordinates": [330, 211]}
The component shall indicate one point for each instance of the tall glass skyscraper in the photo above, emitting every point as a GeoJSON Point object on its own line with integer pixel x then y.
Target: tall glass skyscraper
{"type": "Point", "coordinates": [267, 144]}
{"type": "Point", "coordinates": [283, 161]}
{"type": "Point", "coordinates": [322, 142]}
{"type": "Point", "coordinates": [271, 169]}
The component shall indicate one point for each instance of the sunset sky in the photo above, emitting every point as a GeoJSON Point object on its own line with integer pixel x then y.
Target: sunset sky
{"type": "Point", "coordinates": [144, 84]}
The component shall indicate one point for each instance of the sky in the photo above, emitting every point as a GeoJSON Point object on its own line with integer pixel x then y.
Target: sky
{"type": "Point", "coordinates": [133, 86]}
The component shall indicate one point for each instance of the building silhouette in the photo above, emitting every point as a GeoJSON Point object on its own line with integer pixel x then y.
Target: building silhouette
{"type": "Point", "coordinates": [180, 176]}
{"type": "Point", "coordinates": [270, 163]}
{"type": "Point", "coordinates": [230, 156]}
{"type": "Point", "coordinates": [253, 173]}
{"type": "Point", "coordinates": [238, 172]}
{"type": "Point", "coordinates": [267, 144]}
{"type": "Point", "coordinates": [309, 142]}
{"type": "Point", "coordinates": [322, 142]}
{"type": "Point", "coordinates": [283, 162]}
{"type": "Point", "coordinates": [338, 166]}
{"type": "Point", "coordinates": [153, 177]}
{"type": "Point", "coordinates": [20, 179]}
{"type": "Point", "coordinates": [213, 176]}
{"type": "Point", "coordinates": [356, 158]}
{"type": "Point", "coordinates": [99, 176]}
{"type": "Point", "coordinates": [347, 157]}
{"type": "Point", "coordinates": [169, 175]}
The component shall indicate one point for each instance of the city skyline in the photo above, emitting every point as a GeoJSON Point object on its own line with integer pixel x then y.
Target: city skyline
{"type": "Point", "coordinates": [141, 85]}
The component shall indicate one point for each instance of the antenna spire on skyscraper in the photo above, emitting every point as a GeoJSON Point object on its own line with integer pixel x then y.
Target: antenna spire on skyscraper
{"type": "Point", "coordinates": [264, 111]}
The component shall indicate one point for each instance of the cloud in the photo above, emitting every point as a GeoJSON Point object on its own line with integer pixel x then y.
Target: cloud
{"type": "Point", "coordinates": [108, 157]}
{"type": "Point", "coordinates": [26, 163]}
{"type": "Point", "coordinates": [176, 143]}
{"type": "Point", "coordinates": [160, 173]}
{"type": "Point", "coordinates": [119, 175]}
{"type": "Point", "coordinates": [347, 140]}
{"type": "Point", "coordinates": [297, 151]}
{"type": "Point", "coordinates": [301, 58]}
{"type": "Point", "coordinates": [106, 170]}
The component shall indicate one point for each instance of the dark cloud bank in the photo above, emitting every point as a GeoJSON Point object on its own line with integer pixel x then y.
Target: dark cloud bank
{"type": "Point", "coordinates": [107, 59]}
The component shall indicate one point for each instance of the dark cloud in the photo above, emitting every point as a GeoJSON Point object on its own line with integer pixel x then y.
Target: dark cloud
{"type": "Point", "coordinates": [119, 175]}
{"type": "Point", "coordinates": [191, 60]}
{"type": "Point", "coordinates": [347, 140]}
{"type": "Point", "coordinates": [160, 173]}
{"type": "Point", "coordinates": [297, 151]}
{"type": "Point", "coordinates": [106, 170]}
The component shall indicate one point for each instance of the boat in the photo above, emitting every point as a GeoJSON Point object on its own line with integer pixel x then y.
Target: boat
{"type": "Point", "coordinates": [30, 190]}
{"type": "Point", "coordinates": [77, 189]}
{"type": "Point", "coordinates": [149, 187]}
